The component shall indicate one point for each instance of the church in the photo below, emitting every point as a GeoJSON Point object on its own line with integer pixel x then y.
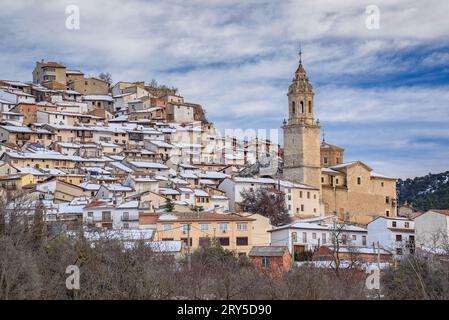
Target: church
{"type": "Point", "coordinates": [351, 190]}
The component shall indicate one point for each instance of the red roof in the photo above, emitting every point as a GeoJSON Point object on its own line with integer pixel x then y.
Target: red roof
{"type": "Point", "coordinates": [446, 212]}
{"type": "Point", "coordinates": [52, 64]}
{"type": "Point", "coordinates": [98, 203]}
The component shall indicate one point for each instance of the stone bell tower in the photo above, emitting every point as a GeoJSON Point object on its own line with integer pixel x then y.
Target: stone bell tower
{"type": "Point", "coordinates": [302, 133]}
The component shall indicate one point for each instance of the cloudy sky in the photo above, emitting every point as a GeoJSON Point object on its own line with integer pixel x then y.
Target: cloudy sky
{"type": "Point", "coordinates": [380, 93]}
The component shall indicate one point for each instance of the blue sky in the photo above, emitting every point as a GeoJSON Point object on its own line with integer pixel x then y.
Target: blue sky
{"type": "Point", "coordinates": [382, 94]}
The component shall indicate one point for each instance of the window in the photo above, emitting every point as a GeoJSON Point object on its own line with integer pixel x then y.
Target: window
{"type": "Point", "coordinates": [242, 241]}
{"type": "Point", "coordinates": [398, 238]}
{"type": "Point", "coordinates": [106, 215]}
{"type": "Point", "coordinates": [302, 208]}
{"type": "Point", "coordinates": [314, 236]}
{"type": "Point", "coordinates": [325, 160]}
{"type": "Point", "coordinates": [90, 214]}
{"type": "Point", "coordinates": [359, 180]}
{"type": "Point", "coordinates": [265, 262]}
{"type": "Point", "coordinates": [308, 195]}
{"type": "Point", "coordinates": [336, 181]}
{"type": "Point", "coordinates": [302, 106]}
{"type": "Point", "coordinates": [363, 240]}
{"type": "Point", "coordinates": [399, 251]}
{"type": "Point", "coordinates": [322, 179]}
{"type": "Point", "coordinates": [300, 194]}
{"type": "Point", "coordinates": [293, 107]}
{"type": "Point", "coordinates": [387, 213]}
{"type": "Point", "coordinates": [394, 224]}
{"type": "Point", "coordinates": [294, 236]}
{"type": "Point", "coordinates": [304, 237]}
{"type": "Point", "coordinates": [354, 237]}
{"type": "Point", "coordinates": [310, 106]}
{"type": "Point", "coordinates": [337, 160]}
{"type": "Point", "coordinates": [242, 226]}
{"type": "Point", "coordinates": [167, 227]}
{"type": "Point", "coordinates": [344, 239]}
{"type": "Point", "coordinates": [387, 199]}
{"type": "Point", "coordinates": [185, 228]}
{"type": "Point", "coordinates": [126, 225]}
{"type": "Point", "coordinates": [125, 216]}
{"type": "Point", "coordinates": [323, 238]}
{"type": "Point", "coordinates": [223, 227]}
{"type": "Point", "coordinates": [381, 184]}
{"type": "Point", "coordinates": [204, 227]}
{"type": "Point", "coordinates": [224, 241]}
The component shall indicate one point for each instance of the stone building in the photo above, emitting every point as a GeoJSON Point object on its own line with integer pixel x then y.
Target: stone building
{"type": "Point", "coordinates": [302, 133]}
{"type": "Point", "coordinates": [351, 190]}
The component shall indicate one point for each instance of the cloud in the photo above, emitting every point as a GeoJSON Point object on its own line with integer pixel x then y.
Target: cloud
{"type": "Point", "coordinates": [238, 58]}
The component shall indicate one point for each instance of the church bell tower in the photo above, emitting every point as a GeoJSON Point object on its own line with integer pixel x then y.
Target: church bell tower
{"type": "Point", "coordinates": [302, 133]}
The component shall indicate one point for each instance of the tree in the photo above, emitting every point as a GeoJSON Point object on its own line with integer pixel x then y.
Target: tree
{"type": "Point", "coordinates": [267, 203]}
{"type": "Point", "coordinates": [106, 77]}
{"type": "Point", "coordinates": [169, 205]}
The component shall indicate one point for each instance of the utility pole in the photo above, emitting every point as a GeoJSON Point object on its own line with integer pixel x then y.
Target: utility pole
{"type": "Point", "coordinates": [189, 258]}
{"type": "Point", "coordinates": [293, 248]}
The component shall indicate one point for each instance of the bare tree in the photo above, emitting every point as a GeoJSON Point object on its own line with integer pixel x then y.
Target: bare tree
{"type": "Point", "coordinates": [106, 76]}
{"type": "Point", "coordinates": [266, 203]}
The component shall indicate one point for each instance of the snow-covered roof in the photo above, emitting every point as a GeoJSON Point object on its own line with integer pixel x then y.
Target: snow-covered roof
{"type": "Point", "coordinates": [168, 191]}
{"type": "Point", "coordinates": [149, 165]}
{"type": "Point", "coordinates": [133, 204]}
{"type": "Point", "coordinates": [200, 193]}
{"type": "Point", "coordinates": [379, 175]}
{"type": "Point", "coordinates": [122, 167]}
{"type": "Point", "coordinates": [98, 97]}
{"type": "Point", "coordinates": [161, 144]}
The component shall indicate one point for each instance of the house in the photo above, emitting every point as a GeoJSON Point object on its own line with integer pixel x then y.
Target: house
{"type": "Point", "coordinates": [20, 135]}
{"type": "Point", "coordinates": [48, 72]}
{"type": "Point", "coordinates": [231, 231]}
{"type": "Point", "coordinates": [62, 191]}
{"type": "Point", "coordinates": [309, 236]}
{"type": "Point", "coordinates": [148, 167]}
{"type": "Point", "coordinates": [11, 117]}
{"type": "Point", "coordinates": [99, 101]}
{"type": "Point", "coordinates": [301, 200]}
{"type": "Point", "coordinates": [276, 259]}
{"type": "Point", "coordinates": [179, 112]}
{"type": "Point", "coordinates": [89, 86]}
{"type": "Point", "coordinates": [113, 191]}
{"type": "Point", "coordinates": [103, 213]}
{"type": "Point", "coordinates": [15, 182]}
{"type": "Point", "coordinates": [432, 230]}
{"type": "Point", "coordinates": [395, 234]}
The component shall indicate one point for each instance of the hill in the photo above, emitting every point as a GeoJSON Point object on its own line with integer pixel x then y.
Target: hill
{"type": "Point", "coordinates": [427, 192]}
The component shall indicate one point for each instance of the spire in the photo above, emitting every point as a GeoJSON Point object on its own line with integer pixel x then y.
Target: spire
{"type": "Point", "coordinates": [300, 53]}
{"type": "Point", "coordinates": [324, 136]}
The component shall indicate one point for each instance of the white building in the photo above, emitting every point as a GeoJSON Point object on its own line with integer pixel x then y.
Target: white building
{"type": "Point", "coordinates": [300, 199]}
{"type": "Point", "coordinates": [309, 235]}
{"type": "Point", "coordinates": [105, 214]}
{"type": "Point", "coordinates": [395, 234]}
{"type": "Point", "coordinates": [432, 230]}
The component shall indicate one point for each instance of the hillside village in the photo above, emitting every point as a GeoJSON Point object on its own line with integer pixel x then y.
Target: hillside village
{"type": "Point", "coordinates": [138, 161]}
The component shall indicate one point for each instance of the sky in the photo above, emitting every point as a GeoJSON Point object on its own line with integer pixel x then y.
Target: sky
{"type": "Point", "coordinates": [380, 93]}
